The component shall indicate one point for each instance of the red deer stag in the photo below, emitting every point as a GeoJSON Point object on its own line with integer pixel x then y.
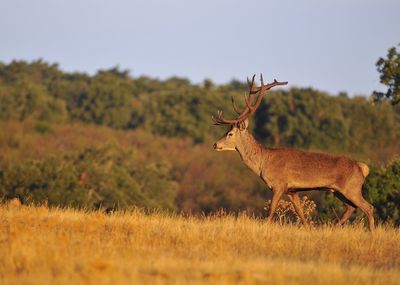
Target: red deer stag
{"type": "Point", "coordinates": [289, 171]}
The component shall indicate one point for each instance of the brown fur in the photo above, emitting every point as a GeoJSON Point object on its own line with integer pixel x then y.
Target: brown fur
{"type": "Point", "coordinates": [288, 171]}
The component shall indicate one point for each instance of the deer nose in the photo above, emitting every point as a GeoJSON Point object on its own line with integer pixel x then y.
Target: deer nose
{"type": "Point", "coordinates": [215, 146]}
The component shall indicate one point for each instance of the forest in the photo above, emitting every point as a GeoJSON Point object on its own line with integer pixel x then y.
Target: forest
{"type": "Point", "coordinates": [115, 141]}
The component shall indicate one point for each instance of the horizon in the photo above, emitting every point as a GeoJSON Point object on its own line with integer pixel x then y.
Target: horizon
{"type": "Point", "coordinates": [132, 76]}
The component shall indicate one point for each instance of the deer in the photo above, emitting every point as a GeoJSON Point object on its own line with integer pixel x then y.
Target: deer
{"type": "Point", "coordinates": [288, 170]}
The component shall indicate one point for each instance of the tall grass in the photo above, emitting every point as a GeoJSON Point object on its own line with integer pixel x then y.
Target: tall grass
{"type": "Point", "coordinates": [63, 246]}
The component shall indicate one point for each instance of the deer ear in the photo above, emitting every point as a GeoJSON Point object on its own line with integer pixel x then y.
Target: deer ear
{"type": "Point", "coordinates": [243, 125]}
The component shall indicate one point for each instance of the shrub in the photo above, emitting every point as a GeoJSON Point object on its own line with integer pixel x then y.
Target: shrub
{"type": "Point", "coordinates": [286, 213]}
{"type": "Point", "coordinates": [104, 177]}
{"type": "Point", "coordinates": [382, 189]}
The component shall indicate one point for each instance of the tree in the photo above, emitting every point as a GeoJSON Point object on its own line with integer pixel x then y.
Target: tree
{"type": "Point", "coordinates": [389, 70]}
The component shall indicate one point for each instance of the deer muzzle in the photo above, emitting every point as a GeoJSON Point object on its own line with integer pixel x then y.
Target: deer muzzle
{"type": "Point", "coordinates": [221, 147]}
{"type": "Point", "coordinates": [217, 147]}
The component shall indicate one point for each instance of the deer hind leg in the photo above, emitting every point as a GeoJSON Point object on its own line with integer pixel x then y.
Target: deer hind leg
{"type": "Point", "coordinates": [276, 196]}
{"type": "Point", "coordinates": [368, 210]}
{"type": "Point", "coordinates": [358, 200]}
{"type": "Point", "coordinates": [349, 210]}
{"type": "Point", "coordinates": [294, 198]}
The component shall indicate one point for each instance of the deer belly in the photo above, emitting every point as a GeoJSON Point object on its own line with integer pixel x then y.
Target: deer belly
{"type": "Point", "coordinates": [302, 180]}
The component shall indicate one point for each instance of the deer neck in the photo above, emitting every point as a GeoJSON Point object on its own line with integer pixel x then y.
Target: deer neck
{"type": "Point", "coordinates": [250, 151]}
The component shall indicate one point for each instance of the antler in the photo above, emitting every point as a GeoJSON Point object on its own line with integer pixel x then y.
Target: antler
{"type": "Point", "coordinates": [248, 98]}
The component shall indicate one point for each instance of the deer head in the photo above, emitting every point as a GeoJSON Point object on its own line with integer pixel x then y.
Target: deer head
{"type": "Point", "coordinates": [239, 125]}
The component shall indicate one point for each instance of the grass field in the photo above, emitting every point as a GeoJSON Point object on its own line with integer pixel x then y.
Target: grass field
{"type": "Point", "coordinates": [56, 246]}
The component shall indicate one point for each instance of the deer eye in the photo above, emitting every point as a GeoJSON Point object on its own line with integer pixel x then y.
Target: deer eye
{"type": "Point", "coordinates": [230, 134]}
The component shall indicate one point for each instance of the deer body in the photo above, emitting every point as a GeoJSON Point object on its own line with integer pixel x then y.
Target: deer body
{"type": "Point", "coordinates": [296, 169]}
{"type": "Point", "coordinates": [289, 171]}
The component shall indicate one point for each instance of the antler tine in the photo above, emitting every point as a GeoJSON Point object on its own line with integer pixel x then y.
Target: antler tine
{"type": "Point", "coordinates": [214, 120]}
{"type": "Point", "coordinates": [248, 100]}
{"type": "Point", "coordinates": [252, 81]}
{"type": "Point", "coordinates": [217, 121]}
{"type": "Point", "coordinates": [253, 89]}
{"type": "Point", "coordinates": [234, 106]}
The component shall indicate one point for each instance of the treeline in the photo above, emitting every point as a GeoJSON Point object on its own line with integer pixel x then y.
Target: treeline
{"type": "Point", "coordinates": [304, 118]}
{"type": "Point", "coordinates": [162, 157]}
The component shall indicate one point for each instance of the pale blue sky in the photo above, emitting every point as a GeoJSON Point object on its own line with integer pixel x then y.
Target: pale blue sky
{"type": "Point", "coordinates": [329, 45]}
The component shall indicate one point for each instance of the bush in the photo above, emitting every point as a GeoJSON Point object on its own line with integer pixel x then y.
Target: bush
{"type": "Point", "coordinates": [105, 177]}
{"type": "Point", "coordinates": [382, 189]}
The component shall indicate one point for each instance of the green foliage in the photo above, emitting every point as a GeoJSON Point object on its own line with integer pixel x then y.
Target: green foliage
{"type": "Point", "coordinates": [105, 100]}
{"type": "Point", "coordinates": [180, 113]}
{"type": "Point", "coordinates": [25, 100]}
{"type": "Point", "coordinates": [95, 177]}
{"type": "Point", "coordinates": [382, 188]}
{"type": "Point", "coordinates": [389, 69]}
{"type": "Point", "coordinates": [24, 93]}
{"type": "Point", "coordinates": [304, 118]}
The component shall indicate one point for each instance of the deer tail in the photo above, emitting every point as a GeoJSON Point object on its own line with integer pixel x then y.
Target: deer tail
{"type": "Point", "coordinates": [364, 168]}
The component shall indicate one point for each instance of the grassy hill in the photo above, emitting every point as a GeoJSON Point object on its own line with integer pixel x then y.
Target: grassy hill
{"type": "Point", "coordinates": [39, 245]}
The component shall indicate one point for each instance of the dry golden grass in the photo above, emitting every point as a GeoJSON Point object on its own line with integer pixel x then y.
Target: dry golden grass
{"type": "Point", "coordinates": [53, 246]}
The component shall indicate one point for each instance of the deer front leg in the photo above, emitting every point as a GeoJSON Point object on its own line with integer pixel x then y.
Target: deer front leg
{"type": "Point", "coordinates": [276, 196]}
{"type": "Point", "coordinates": [346, 215]}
